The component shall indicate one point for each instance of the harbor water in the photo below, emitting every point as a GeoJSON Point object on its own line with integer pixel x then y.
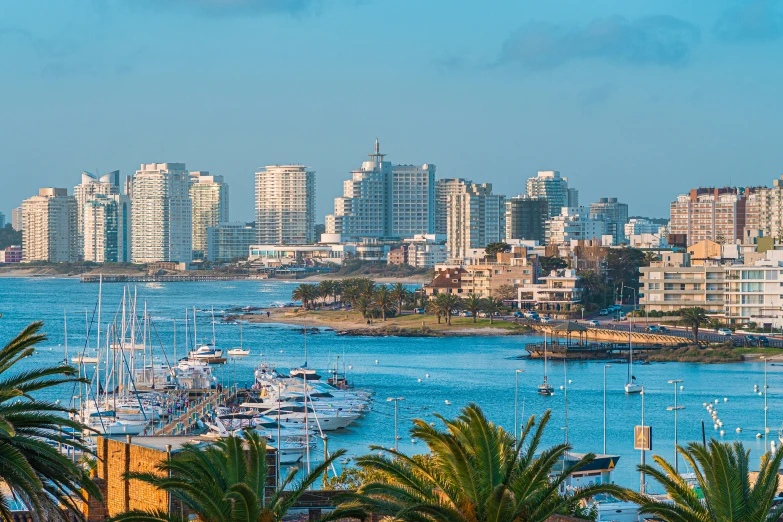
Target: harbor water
{"type": "Point", "coordinates": [434, 375]}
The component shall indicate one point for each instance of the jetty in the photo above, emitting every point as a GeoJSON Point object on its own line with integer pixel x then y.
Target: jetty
{"type": "Point", "coordinates": [182, 423]}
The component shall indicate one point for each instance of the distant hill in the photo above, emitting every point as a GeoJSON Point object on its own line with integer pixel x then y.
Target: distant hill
{"type": "Point", "coordinates": [9, 236]}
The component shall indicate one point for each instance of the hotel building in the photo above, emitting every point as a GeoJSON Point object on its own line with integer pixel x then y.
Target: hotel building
{"type": "Point", "coordinates": [548, 184]}
{"type": "Point", "coordinates": [285, 205]}
{"type": "Point", "coordinates": [106, 232]}
{"type": "Point", "coordinates": [50, 231]}
{"type": "Point", "coordinates": [475, 218]}
{"type": "Point", "coordinates": [209, 195]}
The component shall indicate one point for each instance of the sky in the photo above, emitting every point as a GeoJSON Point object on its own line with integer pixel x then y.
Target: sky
{"type": "Point", "coordinates": [640, 100]}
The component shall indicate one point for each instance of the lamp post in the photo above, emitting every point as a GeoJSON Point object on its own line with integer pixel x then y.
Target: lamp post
{"type": "Point", "coordinates": [516, 403]}
{"type": "Point", "coordinates": [675, 409]}
{"type": "Point", "coordinates": [605, 367]}
{"type": "Point", "coordinates": [396, 401]}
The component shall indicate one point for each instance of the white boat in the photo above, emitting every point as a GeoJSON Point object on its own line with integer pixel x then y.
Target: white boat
{"type": "Point", "coordinates": [84, 359]}
{"type": "Point", "coordinates": [545, 388]}
{"type": "Point", "coordinates": [631, 386]}
{"type": "Point", "coordinates": [238, 352]}
{"type": "Point", "coordinates": [206, 352]}
{"type": "Point", "coordinates": [106, 423]}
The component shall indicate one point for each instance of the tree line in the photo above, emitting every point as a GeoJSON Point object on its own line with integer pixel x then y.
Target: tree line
{"type": "Point", "coordinates": [371, 299]}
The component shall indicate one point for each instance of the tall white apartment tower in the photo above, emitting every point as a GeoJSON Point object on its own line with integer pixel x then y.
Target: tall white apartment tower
{"type": "Point", "coordinates": [162, 214]}
{"type": "Point", "coordinates": [106, 229]}
{"type": "Point", "coordinates": [548, 184]}
{"type": "Point", "coordinates": [385, 200]}
{"type": "Point", "coordinates": [16, 219]}
{"type": "Point", "coordinates": [444, 188]}
{"type": "Point", "coordinates": [92, 185]}
{"type": "Point", "coordinates": [209, 195]}
{"type": "Point", "coordinates": [50, 227]}
{"type": "Point", "coordinates": [475, 218]}
{"type": "Point", "coordinates": [285, 205]}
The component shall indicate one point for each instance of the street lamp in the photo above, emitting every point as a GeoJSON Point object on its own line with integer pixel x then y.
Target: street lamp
{"type": "Point", "coordinates": [516, 402]}
{"type": "Point", "coordinates": [675, 409]}
{"type": "Point", "coordinates": [396, 401]}
{"type": "Point", "coordinates": [605, 367]}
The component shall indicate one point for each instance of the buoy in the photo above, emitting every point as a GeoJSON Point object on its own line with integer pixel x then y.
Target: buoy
{"type": "Point", "coordinates": [427, 375]}
{"type": "Point", "coordinates": [419, 380]}
{"type": "Point", "coordinates": [760, 394]}
{"type": "Point", "coordinates": [716, 401]}
{"type": "Point", "coordinates": [758, 435]}
{"type": "Point", "coordinates": [682, 387]}
{"type": "Point", "coordinates": [561, 387]}
{"type": "Point", "coordinates": [725, 399]}
{"type": "Point", "coordinates": [738, 430]}
{"type": "Point", "coordinates": [376, 361]}
{"type": "Point", "coordinates": [722, 433]}
{"type": "Point", "coordinates": [350, 366]}
{"type": "Point", "coordinates": [448, 403]}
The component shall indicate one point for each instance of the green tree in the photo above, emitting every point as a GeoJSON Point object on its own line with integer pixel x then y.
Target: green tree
{"type": "Point", "coordinates": [506, 292]}
{"type": "Point", "coordinates": [493, 306]}
{"type": "Point", "coordinates": [363, 305]}
{"type": "Point", "coordinates": [693, 318]}
{"type": "Point", "coordinates": [350, 291]}
{"type": "Point", "coordinates": [622, 266]}
{"type": "Point", "coordinates": [306, 293]}
{"type": "Point", "coordinates": [31, 430]}
{"type": "Point", "coordinates": [226, 482]}
{"type": "Point", "coordinates": [493, 249]}
{"type": "Point", "coordinates": [433, 307]}
{"type": "Point", "coordinates": [446, 303]}
{"type": "Point", "coordinates": [549, 263]}
{"type": "Point", "coordinates": [384, 301]}
{"type": "Point", "coordinates": [401, 294]}
{"type": "Point", "coordinates": [592, 286]}
{"type": "Point", "coordinates": [366, 287]}
{"type": "Point", "coordinates": [477, 473]}
{"type": "Point", "coordinates": [9, 236]}
{"type": "Point", "coordinates": [326, 289]}
{"type": "Point", "coordinates": [473, 304]}
{"type": "Point", "coordinates": [721, 471]}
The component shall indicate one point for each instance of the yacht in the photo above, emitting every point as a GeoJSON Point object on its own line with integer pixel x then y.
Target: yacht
{"type": "Point", "coordinates": [631, 386]}
{"type": "Point", "coordinates": [238, 352]}
{"type": "Point", "coordinates": [206, 353]}
{"type": "Point", "coordinates": [545, 388]}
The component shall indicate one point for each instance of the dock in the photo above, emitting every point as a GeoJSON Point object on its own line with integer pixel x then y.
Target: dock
{"type": "Point", "coordinates": [182, 423]}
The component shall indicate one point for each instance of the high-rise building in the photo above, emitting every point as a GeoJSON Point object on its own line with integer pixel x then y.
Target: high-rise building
{"type": "Point", "coordinates": [475, 218]}
{"type": "Point", "coordinates": [548, 184]}
{"type": "Point", "coordinates": [285, 205]}
{"type": "Point", "coordinates": [209, 195]}
{"type": "Point", "coordinates": [230, 241]}
{"type": "Point", "coordinates": [106, 229]}
{"type": "Point", "coordinates": [716, 214]}
{"type": "Point", "coordinates": [444, 188]}
{"type": "Point", "coordinates": [614, 214]}
{"type": "Point", "coordinates": [526, 218]}
{"type": "Point", "coordinates": [16, 219]}
{"type": "Point", "coordinates": [162, 214]}
{"type": "Point", "coordinates": [91, 185]}
{"type": "Point", "coordinates": [50, 230]}
{"type": "Point", "coordinates": [2, 220]}
{"type": "Point", "coordinates": [574, 223]}
{"type": "Point", "coordinates": [382, 200]}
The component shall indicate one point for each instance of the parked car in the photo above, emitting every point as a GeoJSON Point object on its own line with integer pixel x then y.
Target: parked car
{"type": "Point", "coordinates": [516, 314]}
{"type": "Point", "coordinates": [531, 315]}
{"type": "Point", "coordinates": [653, 328]}
{"type": "Point", "coordinates": [418, 310]}
{"type": "Point", "coordinates": [483, 315]}
{"type": "Point", "coordinates": [662, 328]}
{"type": "Point", "coordinates": [763, 340]}
{"type": "Point", "coordinates": [603, 311]}
{"type": "Point", "coordinates": [593, 323]}
{"type": "Point", "coordinates": [466, 313]}
{"type": "Point", "coordinates": [545, 320]}
{"type": "Point", "coordinates": [724, 331]}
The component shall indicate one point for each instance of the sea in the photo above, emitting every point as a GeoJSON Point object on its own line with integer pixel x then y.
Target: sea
{"type": "Point", "coordinates": [434, 376]}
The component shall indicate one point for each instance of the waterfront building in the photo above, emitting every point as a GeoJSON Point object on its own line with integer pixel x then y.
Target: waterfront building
{"type": "Point", "coordinates": [615, 216]}
{"type": "Point", "coordinates": [382, 200]}
{"type": "Point", "coordinates": [209, 197]}
{"type": "Point", "coordinates": [753, 292]}
{"type": "Point", "coordinates": [106, 229]}
{"type": "Point", "coordinates": [526, 218]}
{"type": "Point", "coordinates": [717, 214]}
{"type": "Point", "coordinates": [556, 292]}
{"type": "Point", "coordinates": [162, 214]}
{"type": "Point", "coordinates": [574, 224]}
{"type": "Point", "coordinates": [548, 184]}
{"type": "Point", "coordinates": [674, 283]}
{"type": "Point", "coordinates": [11, 254]}
{"type": "Point", "coordinates": [230, 241]}
{"type": "Point", "coordinates": [16, 219]}
{"type": "Point", "coordinates": [425, 250]}
{"type": "Point", "coordinates": [285, 205]}
{"type": "Point", "coordinates": [50, 231]}
{"type": "Point", "coordinates": [444, 188]}
{"type": "Point", "coordinates": [91, 186]}
{"type": "Point", "coordinates": [475, 218]}
{"type": "Point", "coordinates": [300, 255]}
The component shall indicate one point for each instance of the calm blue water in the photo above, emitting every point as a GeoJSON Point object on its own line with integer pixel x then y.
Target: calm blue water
{"type": "Point", "coordinates": [462, 370]}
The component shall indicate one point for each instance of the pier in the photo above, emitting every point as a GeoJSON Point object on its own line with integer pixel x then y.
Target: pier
{"type": "Point", "coordinates": [180, 424]}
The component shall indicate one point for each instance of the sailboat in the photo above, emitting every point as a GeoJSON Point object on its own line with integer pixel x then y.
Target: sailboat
{"type": "Point", "coordinates": [545, 388]}
{"type": "Point", "coordinates": [631, 386]}
{"type": "Point", "coordinates": [239, 352]}
{"type": "Point", "coordinates": [304, 372]}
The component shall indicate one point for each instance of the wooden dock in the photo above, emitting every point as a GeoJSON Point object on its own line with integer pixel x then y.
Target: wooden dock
{"type": "Point", "coordinates": [182, 423]}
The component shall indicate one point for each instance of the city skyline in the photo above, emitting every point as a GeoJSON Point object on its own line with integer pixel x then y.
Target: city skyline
{"type": "Point", "coordinates": [598, 110]}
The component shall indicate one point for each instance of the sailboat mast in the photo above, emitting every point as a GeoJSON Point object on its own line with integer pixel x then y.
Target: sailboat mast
{"type": "Point", "coordinates": [545, 358]}
{"type": "Point", "coordinates": [100, 296]}
{"type": "Point", "coordinates": [213, 327]}
{"type": "Point", "coordinates": [195, 338]}
{"type": "Point", "coordinates": [65, 327]}
{"type": "Point", "coordinates": [630, 347]}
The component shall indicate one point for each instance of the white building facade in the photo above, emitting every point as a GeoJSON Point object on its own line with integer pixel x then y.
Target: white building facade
{"type": "Point", "coordinates": [574, 223]}
{"type": "Point", "coordinates": [209, 197]}
{"type": "Point", "coordinates": [444, 188]}
{"type": "Point", "coordinates": [285, 205]}
{"type": "Point", "coordinates": [93, 185]}
{"type": "Point", "coordinates": [550, 185]}
{"type": "Point", "coordinates": [106, 229]}
{"type": "Point", "coordinates": [50, 231]}
{"type": "Point", "coordinates": [230, 241]}
{"type": "Point", "coordinates": [475, 218]}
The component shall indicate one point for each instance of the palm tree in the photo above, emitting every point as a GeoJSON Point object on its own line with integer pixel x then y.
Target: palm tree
{"type": "Point", "coordinates": [446, 303]}
{"type": "Point", "coordinates": [337, 290]}
{"type": "Point", "coordinates": [592, 285]}
{"type": "Point", "coordinates": [693, 318]}
{"type": "Point", "coordinates": [31, 430]}
{"type": "Point", "coordinates": [721, 471]}
{"type": "Point", "coordinates": [226, 482]}
{"type": "Point", "coordinates": [363, 305]}
{"type": "Point", "coordinates": [473, 304]}
{"type": "Point", "coordinates": [400, 294]}
{"type": "Point", "coordinates": [432, 307]}
{"type": "Point", "coordinates": [366, 287]}
{"type": "Point", "coordinates": [325, 289]}
{"type": "Point", "coordinates": [384, 301]}
{"type": "Point", "coordinates": [350, 291]}
{"type": "Point", "coordinates": [492, 306]}
{"type": "Point", "coordinates": [305, 293]}
{"type": "Point", "coordinates": [477, 472]}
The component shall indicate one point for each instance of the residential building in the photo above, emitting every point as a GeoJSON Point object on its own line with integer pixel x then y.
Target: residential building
{"type": "Point", "coordinates": [229, 241]}
{"type": "Point", "coordinates": [636, 226]}
{"type": "Point", "coordinates": [674, 283]}
{"type": "Point", "coordinates": [285, 205]}
{"type": "Point", "coordinates": [11, 254]}
{"type": "Point", "coordinates": [615, 216]}
{"type": "Point", "coordinates": [209, 197]}
{"type": "Point", "coordinates": [475, 218]}
{"type": "Point", "coordinates": [91, 186]}
{"type": "Point", "coordinates": [162, 220]}
{"type": "Point", "coordinates": [106, 229]}
{"type": "Point", "coordinates": [573, 224]}
{"type": "Point", "coordinates": [16, 219]}
{"type": "Point", "coordinates": [398, 256]}
{"type": "Point", "coordinates": [382, 200]}
{"type": "Point", "coordinates": [753, 292]}
{"type": "Point", "coordinates": [444, 188]}
{"type": "Point", "coordinates": [557, 292]}
{"type": "Point", "coordinates": [485, 279]}
{"type": "Point", "coordinates": [446, 281]}
{"type": "Point", "coordinates": [548, 184]}
{"type": "Point", "coordinates": [50, 231]}
{"type": "Point", "coordinates": [526, 218]}
{"type": "Point", "coordinates": [425, 250]}
{"type": "Point", "coordinates": [717, 214]}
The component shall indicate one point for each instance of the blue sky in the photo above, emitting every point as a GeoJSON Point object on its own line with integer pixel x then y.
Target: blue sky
{"type": "Point", "coordinates": [636, 99]}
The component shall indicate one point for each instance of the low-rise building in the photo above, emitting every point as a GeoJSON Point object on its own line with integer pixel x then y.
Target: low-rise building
{"type": "Point", "coordinates": [574, 223]}
{"type": "Point", "coordinates": [280, 255]}
{"type": "Point", "coordinates": [557, 292]}
{"type": "Point", "coordinates": [674, 283]}
{"type": "Point", "coordinates": [426, 250]}
{"type": "Point", "coordinates": [11, 254]}
{"type": "Point", "coordinates": [447, 280]}
{"type": "Point", "coordinates": [753, 292]}
{"type": "Point", "coordinates": [229, 241]}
